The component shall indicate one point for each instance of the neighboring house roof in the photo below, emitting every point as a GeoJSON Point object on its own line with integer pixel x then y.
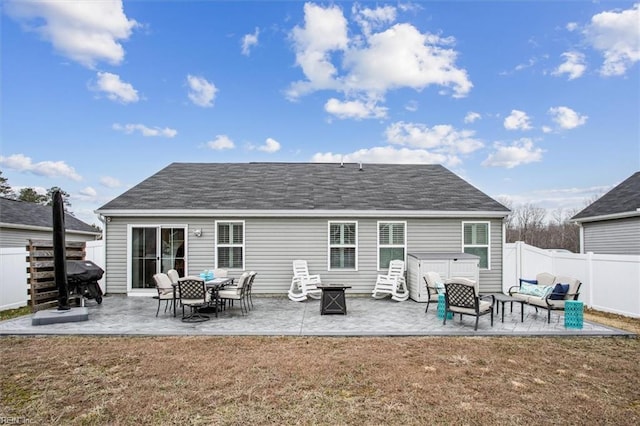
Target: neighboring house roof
{"type": "Point", "coordinates": [622, 201]}
{"type": "Point", "coordinates": [298, 187]}
{"type": "Point", "coordinates": [21, 214]}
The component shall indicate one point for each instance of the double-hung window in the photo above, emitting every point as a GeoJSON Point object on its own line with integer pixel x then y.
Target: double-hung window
{"type": "Point", "coordinates": [230, 245]}
{"type": "Point", "coordinates": [343, 245]}
{"type": "Point", "coordinates": [476, 241]}
{"type": "Point", "coordinates": [392, 243]}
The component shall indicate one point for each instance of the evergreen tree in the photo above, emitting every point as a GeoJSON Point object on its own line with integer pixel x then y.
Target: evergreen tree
{"type": "Point", "coordinates": [5, 188]}
{"type": "Point", "coordinates": [31, 196]}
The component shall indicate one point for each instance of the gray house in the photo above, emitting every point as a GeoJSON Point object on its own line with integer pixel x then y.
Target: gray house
{"type": "Point", "coordinates": [21, 221]}
{"type": "Point", "coordinates": [611, 224]}
{"type": "Point", "coordinates": [347, 221]}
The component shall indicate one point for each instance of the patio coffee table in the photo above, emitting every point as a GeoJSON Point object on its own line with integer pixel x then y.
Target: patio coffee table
{"type": "Point", "coordinates": [502, 299]}
{"type": "Point", "coordinates": [333, 300]}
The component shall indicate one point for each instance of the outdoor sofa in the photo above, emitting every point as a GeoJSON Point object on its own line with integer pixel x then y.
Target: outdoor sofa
{"type": "Point", "coordinates": [547, 291]}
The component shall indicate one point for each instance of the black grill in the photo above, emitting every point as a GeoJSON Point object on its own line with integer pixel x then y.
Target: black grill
{"type": "Point", "coordinates": [82, 277]}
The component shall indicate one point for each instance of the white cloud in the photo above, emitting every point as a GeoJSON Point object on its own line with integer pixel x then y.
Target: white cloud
{"type": "Point", "coordinates": [402, 56]}
{"type": "Point", "coordinates": [201, 92]}
{"type": "Point", "coordinates": [369, 19]}
{"type": "Point", "coordinates": [573, 65]}
{"type": "Point", "coordinates": [220, 143]}
{"type": "Point", "coordinates": [22, 163]}
{"type": "Point", "coordinates": [354, 109]}
{"type": "Point", "coordinates": [471, 117]}
{"type": "Point", "coordinates": [531, 62]}
{"type": "Point", "coordinates": [517, 120]}
{"type": "Point", "coordinates": [547, 129]}
{"type": "Point", "coordinates": [115, 89]}
{"type": "Point", "coordinates": [518, 153]}
{"type": "Point", "coordinates": [146, 131]}
{"type": "Point", "coordinates": [442, 139]}
{"type": "Point", "coordinates": [84, 31]}
{"type": "Point", "coordinates": [411, 106]}
{"type": "Point", "coordinates": [110, 182]}
{"type": "Point", "coordinates": [88, 192]}
{"type": "Point", "coordinates": [371, 63]}
{"type": "Point", "coordinates": [250, 40]}
{"type": "Point", "coordinates": [616, 34]}
{"type": "Point", "coordinates": [567, 118]}
{"type": "Point", "coordinates": [324, 31]}
{"type": "Point", "coordinates": [270, 146]}
{"type": "Point", "coordinates": [572, 26]}
{"type": "Point", "coordinates": [388, 154]}
{"type": "Point", "coordinates": [558, 198]}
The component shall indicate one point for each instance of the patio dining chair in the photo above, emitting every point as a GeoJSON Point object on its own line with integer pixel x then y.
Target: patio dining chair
{"type": "Point", "coordinates": [303, 284]}
{"type": "Point", "coordinates": [461, 297]}
{"type": "Point", "coordinates": [165, 290]}
{"type": "Point", "coordinates": [194, 294]}
{"type": "Point", "coordinates": [238, 292]}
{"type": "Point", "coordinates": [392, 284]}
{"type": "Point", "coordinates": [249, 289]}
{"type": "Point", "coordinates": [435, 286]}
{"type": "Point", "coordinates": [173, 276]}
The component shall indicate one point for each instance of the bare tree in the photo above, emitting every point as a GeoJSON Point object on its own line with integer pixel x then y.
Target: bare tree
{"type": "Point", "coordinates": [537, 227]}
{"type": "Point", "coordinates": [529, 221]}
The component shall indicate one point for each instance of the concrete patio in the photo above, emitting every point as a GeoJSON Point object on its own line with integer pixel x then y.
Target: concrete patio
{"type": "Point", "coordinates": [278, 316]}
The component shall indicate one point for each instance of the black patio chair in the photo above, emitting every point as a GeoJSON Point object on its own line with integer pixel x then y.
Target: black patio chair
{"type": "Point", "coordinates": [193, 293]}
{"type": "Point", "coordinates": [461, 298]}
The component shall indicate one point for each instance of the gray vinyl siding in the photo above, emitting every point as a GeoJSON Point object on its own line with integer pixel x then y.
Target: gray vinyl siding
{"type": "Point", "coordinates": [621, 236]}
{"type": "Point", "coordinates": [199, 250]}
{"type": "Point", "coordinates": [10, 237]}
{"type": "Point", "coordinates": [271, 245]}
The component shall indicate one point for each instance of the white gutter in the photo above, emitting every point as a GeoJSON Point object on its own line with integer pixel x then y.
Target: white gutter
{"type": "Point", "coordinates": [301, 213]}
{"type": "Point", "coordinates": [43, 228]}
{"type": "Point", "coordinates": [612, 216]}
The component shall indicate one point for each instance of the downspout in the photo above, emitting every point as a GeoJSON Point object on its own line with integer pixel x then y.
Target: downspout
{"type": "Point", "coordinates": [581, 237]}
{"type": "Point", "coordinates": [104, 221]}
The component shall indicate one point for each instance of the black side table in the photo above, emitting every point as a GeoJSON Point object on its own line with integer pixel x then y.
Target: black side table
{"type": "Point", "coordinates": [502, 298]}
{"type": "Point", "coordinates": [333, 300]}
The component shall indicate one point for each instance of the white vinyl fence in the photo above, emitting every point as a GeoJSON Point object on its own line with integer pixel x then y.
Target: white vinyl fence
{"type": "Point", "coordinates": [610, 282]}
{"type": "Point", "coordinates": [13, 278]}
{"type": "Point", "coordinates": [14, 273]}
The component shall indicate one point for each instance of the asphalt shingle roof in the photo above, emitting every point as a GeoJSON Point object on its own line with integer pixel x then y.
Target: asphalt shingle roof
{"type": "Point", "coordinates": [32, 214]}
{"type": "Point", "coordinates": [304, 186]}
{"type": "Point", "coordinates": [624, 198]}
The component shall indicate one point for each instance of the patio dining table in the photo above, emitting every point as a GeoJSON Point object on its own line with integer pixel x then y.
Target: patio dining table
{"type": "Point", "coordinates": [213, 285]}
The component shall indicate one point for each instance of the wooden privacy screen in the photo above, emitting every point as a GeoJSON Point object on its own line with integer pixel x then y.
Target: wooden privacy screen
{"type": "Point", "coordinates": [42, 284]}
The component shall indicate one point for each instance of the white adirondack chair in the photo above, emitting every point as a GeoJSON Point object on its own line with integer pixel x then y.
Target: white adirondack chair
{"type": "Point", "coordinates": [303, 285]}
{"type": "Point", "coordinates": [393, 284]}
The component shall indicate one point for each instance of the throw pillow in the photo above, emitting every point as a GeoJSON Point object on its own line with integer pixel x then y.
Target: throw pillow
{"type": "Point", "coordinates": [535, 290]}
{"type": "Point", "coordinates": [559, 292]}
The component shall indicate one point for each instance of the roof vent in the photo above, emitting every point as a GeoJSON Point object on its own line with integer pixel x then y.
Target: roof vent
{"type": "Point", "coordinates": [342, 162]}
{"type": "Point", "coordinates": [361, 169]}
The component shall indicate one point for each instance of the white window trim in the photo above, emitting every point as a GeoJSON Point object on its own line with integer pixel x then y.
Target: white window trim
{"type": "Point", "coordinates": [379, 246]}
{"type": "Point", "coordinates": [329, 246]}
{"type": "Point", "coordinates": [216, 245]}
{"type": "Point", "coordinates": [152, 291]}
{"type": "Point", "coordinates": [488, 245]}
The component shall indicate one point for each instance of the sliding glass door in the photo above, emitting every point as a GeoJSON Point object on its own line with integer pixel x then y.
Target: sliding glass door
{"type": "Point", "coordinates": [155, 249]}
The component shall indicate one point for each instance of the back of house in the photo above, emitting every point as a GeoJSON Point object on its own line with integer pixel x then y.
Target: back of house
{"type": "Point", "coordinates": [346, 220]}
{"type": "Point", "coordinates": [21, 221]}
{"type": "Point", "coordinates": [611, 224]}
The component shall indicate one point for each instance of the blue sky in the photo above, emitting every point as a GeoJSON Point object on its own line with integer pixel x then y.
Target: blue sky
{"type": "Point", "coordinates": [537, 102]}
